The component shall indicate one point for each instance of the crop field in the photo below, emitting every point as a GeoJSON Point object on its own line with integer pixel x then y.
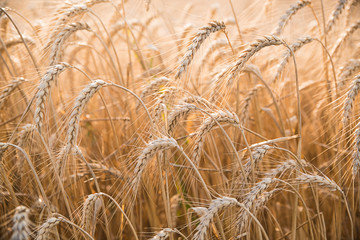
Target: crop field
{"type": "Point", "coordinates": [169, 119]}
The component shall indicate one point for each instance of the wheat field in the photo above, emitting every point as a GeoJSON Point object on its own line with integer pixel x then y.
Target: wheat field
{"type": "Point", "coordinates": [155, 119]}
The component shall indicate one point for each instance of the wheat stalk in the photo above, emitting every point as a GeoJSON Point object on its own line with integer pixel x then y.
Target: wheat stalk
{"type": "Point", "coordinates": [20, 228]}
{"type": "Point", "coordinates": [9, 89]}
{"type": "Point", "coordinates": [44, 89]}
{"type": "Point", "coordinates": [199, 38]}
{"type": "Point", "coordinates": [351, 95]}
{"type": "Point", "coordinates": [289, 14]}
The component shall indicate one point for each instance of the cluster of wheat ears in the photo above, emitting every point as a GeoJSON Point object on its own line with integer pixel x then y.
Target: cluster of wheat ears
{"type": "Point", "coordinates": [118, 121]}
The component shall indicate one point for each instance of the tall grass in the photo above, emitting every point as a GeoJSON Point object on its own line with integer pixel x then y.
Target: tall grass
{"type": "Point", "coordinates": [230, 121]}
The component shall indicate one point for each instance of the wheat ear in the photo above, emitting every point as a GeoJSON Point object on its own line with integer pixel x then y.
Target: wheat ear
{"type": "Point", "coordinates": [289, 14]}
{"type": "Point", "coordinates": [284, 167]}
{"type": "Point", "coordinates": [179, 112]}
{"type": "Point", "coordinates": [44, 89]}
{"type": "Point", "coordinates": [163, 99]}
{"type": "Point", "coordinates": [73, 126]}
{"type": "Point", "coordinates": [57, 46]}
{"type": "Point", "coordinates": [91, 209]}
{"type": "Point", "coordinates": [70, 13]}
{"type": "Point", "coordinates": [207, 125]}
{"type": "Point", "coordinates": [20, 228]}
{"type": "Point", "coordinates": [299, 43]}
{"type": "Point", "coordinates": [254, 204]}
{"type": "Point", "coordinates": [247, 100]}
{"type": "Point", "coordinates": [9, 89]}
{"type": "Point", "coordinates": [249, 52]}
{"type": "Point", "coordinates": [352, 66]}
{"type": "Point", "coordinates": [47, 229]}
{"type": "Point", "coordinates": [154, 86]}
{"type": "Point", "coordinates": [257, 156]}
{"type": "Point", "coordinates": [215, 206]}
{"type": "Point", "coordinates": [351, 95]}
{"type": "Point", "coordinates": [321, 181]}
{"type": "Point", "coordinates": [163, 234]}
{"type": "Point", "coordinates": [199, 38]}
{"type": "Point", "coordinates": [17, 40]}
{"type": "Point", "coordinates": [356, 156]}
{"type": "Point", "coordinates": [149, 151]}
{"type": "Point", "coordinates": [335, 14]}
{"type": "Point", "coordinates": [345, 36]}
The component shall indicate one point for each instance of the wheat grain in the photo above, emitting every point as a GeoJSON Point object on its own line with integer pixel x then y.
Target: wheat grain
{"type": "Point", "coordinates": [254, 205]}
{"type": "Point", "coordinates": [70, 13]}
{"type": "Point", "coordinates": [282, 168]}
{"type": "Point", "coordinates": [80, 103]}
{"type": "Point", "coordinates": [199, 38]}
